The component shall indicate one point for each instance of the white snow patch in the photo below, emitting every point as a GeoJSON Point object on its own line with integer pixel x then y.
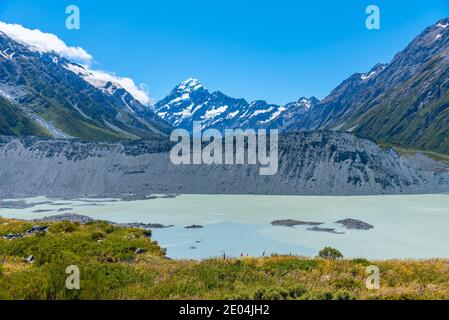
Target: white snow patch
{"type": "Point", "coordinates": [438, 36]}
{"type": "Point", "coordinates": [367, 76]}
{"type": "Point", "coordinates": [100, 79]}
{"type": "Point", "coordinates": [307, 103]}
{"type": "Point", "coordinates": [372, 73]}
{"type": "Point", "coordinates": [97, 81]}
{"type": "Point", "coordinates": [126, 104]}
{"type": "Point", "coordinates": [7, 55]}
{"type": "Point", "coordinates": [180, 99]}
{"type": "Point", "coordinates": [187, 112]}
{"type": "Point", "coordinates": [5, 95]}
{"type": "Point", "coordinates": [353, 128]}
{"type": "Point", "coordinates": [190, 85]}
{"type": "Point", "coordinates": [257, 112]}
{"type": "Point", "coordinates": [215, 112]}
{"type": "Point", "coordinates": [276, 114]}
{"type": "Point", "coordinates": [232, 115]}
{"type": "Point", "coordinates": [443, 25]}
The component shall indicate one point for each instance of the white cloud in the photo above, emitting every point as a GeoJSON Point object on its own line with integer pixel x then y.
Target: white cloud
{"type": "Point", "coordinates": [47, 42]}
{"type": "Point", "coordinates": [139, 92]}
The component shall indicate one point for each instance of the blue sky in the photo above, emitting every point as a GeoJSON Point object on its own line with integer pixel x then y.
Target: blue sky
{"type": "Point", "coordinates": [276, 50]}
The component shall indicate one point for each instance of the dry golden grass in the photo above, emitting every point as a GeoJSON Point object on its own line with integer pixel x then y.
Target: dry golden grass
{"type": "Point", "coordinates": [110, 269]}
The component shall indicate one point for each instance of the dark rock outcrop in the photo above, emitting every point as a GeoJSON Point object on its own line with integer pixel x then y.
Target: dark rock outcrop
{"type": "Point", "coordinates": [29, 232]}
{"type": "Point", "coordinates": [195, 226]}
{"type": "Point", "coordinates": [355, 224]}
{"type": "Point", "coordinates": [292, 223]}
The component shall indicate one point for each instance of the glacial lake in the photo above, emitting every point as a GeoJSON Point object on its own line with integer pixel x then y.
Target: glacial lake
{"type": "Point", "coordinates": [408, 226]}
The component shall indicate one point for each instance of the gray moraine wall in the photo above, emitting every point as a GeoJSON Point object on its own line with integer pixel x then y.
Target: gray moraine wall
{"type": "Point", "coordinates": [313, 163]}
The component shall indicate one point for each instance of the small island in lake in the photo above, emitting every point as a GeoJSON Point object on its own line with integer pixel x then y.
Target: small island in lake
{"type": "Point", "coordinates": [355, 224]}
{"type": "Point", "coordinates": [292, 223]}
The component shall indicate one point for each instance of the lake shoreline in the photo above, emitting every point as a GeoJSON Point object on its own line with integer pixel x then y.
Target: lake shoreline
{"type": "Point", "coordinates": [128, 256]}
{"type": "Point", "coordinates": [204, 226]}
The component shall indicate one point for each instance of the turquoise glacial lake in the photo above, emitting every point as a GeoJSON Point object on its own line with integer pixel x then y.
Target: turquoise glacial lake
{"type": "Point", "coordinates": [406, 226]}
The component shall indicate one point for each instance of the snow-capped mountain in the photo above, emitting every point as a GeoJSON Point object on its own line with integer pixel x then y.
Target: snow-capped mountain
{"type": "Point", "coordinates": [63, 99]}
{"type": "Point", "coordinates": [191, 101]}
{"type": "Point", "coordinates": [103, 82]}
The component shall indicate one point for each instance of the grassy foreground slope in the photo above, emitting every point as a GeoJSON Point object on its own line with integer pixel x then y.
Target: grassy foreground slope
{"type": "Point", "coordinates": [110, 268]}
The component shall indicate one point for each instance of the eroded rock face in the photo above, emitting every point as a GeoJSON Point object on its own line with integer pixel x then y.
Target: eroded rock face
{"type": "Point", "coordinates": [310, 163]}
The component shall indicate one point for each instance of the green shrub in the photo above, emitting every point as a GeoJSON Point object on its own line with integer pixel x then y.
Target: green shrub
{"type": "Point", "coordinates": [297, 292]}
{"type": "Point", "coordinates": [362, 261]}
{"type": "Point", "coordinates": [270, 294]}
{"type": "Point", "coordinates": [318, 295]}
{"type": "Point", "coordinates": [98, 236]}
{"type": "Point", "coordinates": [344, 295]}
{"type": "Point", "coordinates": [279, 293]}
{"type": "Point", "coordinates": [111, 270]}
{"type": "Point", "coordinates": [330, 253]}
{"type": "Point", "coordinates": [64, 227]}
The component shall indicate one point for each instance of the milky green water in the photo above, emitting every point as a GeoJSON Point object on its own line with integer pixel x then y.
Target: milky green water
{"type": "Point", "coordinates": [404, 226]}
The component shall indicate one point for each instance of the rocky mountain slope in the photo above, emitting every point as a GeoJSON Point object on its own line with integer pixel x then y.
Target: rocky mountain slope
{"type": "Point", "coordinates": [190, 101]}
{"type": "Point", "coordinates": [311, 163]}
{"type": "Point", "coordinates": [14, 122]}
{"type": "Point", "coordinates": [405, 102]}
{"type": "Point", "coordinates": [65, 100]}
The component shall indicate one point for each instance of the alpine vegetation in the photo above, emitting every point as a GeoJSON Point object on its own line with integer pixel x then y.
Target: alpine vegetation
{"type": "Point", "coordinates": [240, 147]}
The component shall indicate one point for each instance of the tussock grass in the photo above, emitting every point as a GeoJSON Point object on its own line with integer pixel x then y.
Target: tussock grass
{"type": "Point", "coordinates": [110, 269]}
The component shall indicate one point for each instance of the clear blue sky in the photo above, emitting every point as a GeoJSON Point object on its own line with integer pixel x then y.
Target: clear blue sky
{"type": "Point", "coordinates": [276, 50]}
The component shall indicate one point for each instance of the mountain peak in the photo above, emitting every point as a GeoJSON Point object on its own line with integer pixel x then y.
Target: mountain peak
{"type": "Point", "coordinates": [378, 68]}
{"type": "Point", "coordinates": [189, 85]}
{"type": "Point", "coordinates": [444, 23]}
{"type": "Point", "coordinates": [434, 37]}
{"type": "Point", "coordinates": [308, 102]}
{"type": "Point", "coordinates": [303, 103]}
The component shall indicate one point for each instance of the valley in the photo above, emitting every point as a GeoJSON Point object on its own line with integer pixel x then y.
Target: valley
{"type": "Point", "coordinates": [310, 163]}
{"type": "Point", "coordinates": [152, 200]}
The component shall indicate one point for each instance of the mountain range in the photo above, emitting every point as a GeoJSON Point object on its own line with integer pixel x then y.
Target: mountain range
{"type": "Point", "coordinates": [404, 102]}
{"type": "Point", "coordinates": [46, 95]}
{"type": "Point", "coordinates": [190, 101]}
{"type": "Point", "coordinates": [67, 131]}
